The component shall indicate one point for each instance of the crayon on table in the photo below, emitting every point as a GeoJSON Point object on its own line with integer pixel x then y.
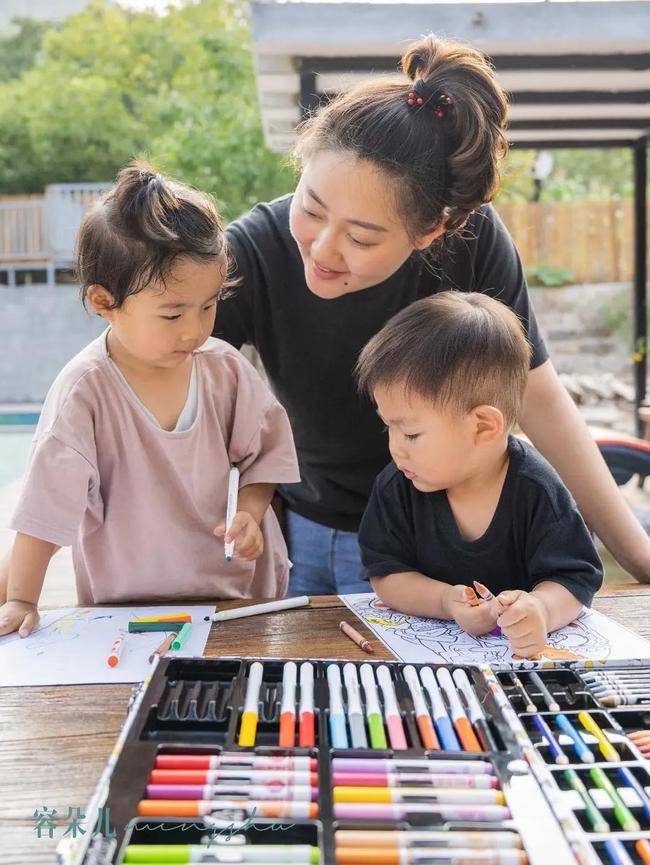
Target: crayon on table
{"type": "Point", "coordinates": [606, 748]}
{"type": "Point", "coordinates": [580, 746]}
{"type": "Point", "coordinates": [554, 746]}
{"type": "Point", "coordinates": [461, 722]}
{"type": "Point", "coordinates": [441, 720]}
{"type": "Point", "coordinates": [306, 734]}
{"type": "Point", "coordinates": [181, 638]}
{"type": "Point", "coordinates": [422, 716]}
{"type": "Point", "coordinates": [287, 737]}
{"type": "Point", "coordinates": [355, 712]}
{"type": "Point", "coordinates": [338, 730]}
{"type": "Point", "coordinates": [373, 712]}
{"type": "Point", "coordinates": [625, 817]}
{"type": "Point", "coordinates": [116, 652]}
{"type": "Point", "coordinates": [598, 822]}
{"type": "Point", "coordinates": [296, 854]}
{"type": "Point", "coordinates": [250, 715]}
{"type": "Point", "coordinates": [392, 713]}
{"type": "Point", "coordinates": [164, 647]}
{"type": "Point", "coordinates": [486, 595]}
{"type": "Point", "coordinates": [356, 637]}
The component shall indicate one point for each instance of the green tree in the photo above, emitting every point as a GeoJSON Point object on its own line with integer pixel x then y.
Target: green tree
{"type": "Point", "coordinates": [19, 50]}
{"type": "Point", "coordinates": [111, 84]}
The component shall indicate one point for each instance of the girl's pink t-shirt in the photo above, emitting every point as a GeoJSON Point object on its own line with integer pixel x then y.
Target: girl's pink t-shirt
{"type": "Point", "coordinates": [137, 503]}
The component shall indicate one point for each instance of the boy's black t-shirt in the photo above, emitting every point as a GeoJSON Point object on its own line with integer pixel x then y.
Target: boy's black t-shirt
{"type": "Point", "coordinates": [536, 533]}
{"type": "Point", "coordinates": [309, 346]}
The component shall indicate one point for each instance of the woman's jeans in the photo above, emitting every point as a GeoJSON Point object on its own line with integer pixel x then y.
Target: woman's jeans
{"type": "Point", "coordinates": [325, 561]}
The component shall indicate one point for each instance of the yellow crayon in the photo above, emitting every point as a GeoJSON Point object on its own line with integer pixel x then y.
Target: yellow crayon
{"type": "Point", "coordinates": [606, 748]}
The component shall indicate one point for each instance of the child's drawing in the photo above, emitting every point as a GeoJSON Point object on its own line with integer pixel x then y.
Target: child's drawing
{"type": "Point", "coordinates": [411, 638]}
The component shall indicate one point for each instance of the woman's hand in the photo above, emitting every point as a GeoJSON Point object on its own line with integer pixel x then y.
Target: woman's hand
{"type": "Point", "coordinates": [247, 535]}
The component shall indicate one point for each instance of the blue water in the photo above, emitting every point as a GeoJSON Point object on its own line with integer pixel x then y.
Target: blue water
{"type": "Point", "coordinates": [14, 447]}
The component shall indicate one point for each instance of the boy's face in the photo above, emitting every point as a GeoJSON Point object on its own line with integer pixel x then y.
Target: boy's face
{"type": "Point", "coordinates": [433, 448]}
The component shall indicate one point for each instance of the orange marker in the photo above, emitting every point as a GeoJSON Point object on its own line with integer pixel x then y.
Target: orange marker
{"type": "Point", "coordinates": [461, 722]}
{"type": "Point", "coordinates": [288, 707]}
{"type": "Point", "coordinates": [422, 716]}
{"type": "Point", "coordinates": [643, 849]}
{"type": "Point", "coordinates": [472, 597]}
{"type": "Point", "coordinates": [116, 652]}
{"type": "Point", "coordinates": [203, 807]}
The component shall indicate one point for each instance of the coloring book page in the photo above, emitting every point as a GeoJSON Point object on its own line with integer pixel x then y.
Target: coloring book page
{"type": "Point", "coordinates": [412, 639]}
{"type": "Point", "coordinates": [71, 646]}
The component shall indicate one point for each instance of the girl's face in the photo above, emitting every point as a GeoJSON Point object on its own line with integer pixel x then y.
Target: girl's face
{"type": "Point", "coordinates": [162, 325]}
{"type": "Point", "coordinates": [344, 219]}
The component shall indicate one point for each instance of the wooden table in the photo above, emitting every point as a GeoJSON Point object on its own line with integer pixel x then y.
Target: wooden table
{"type": "Point", "coordinates": [56, 740]}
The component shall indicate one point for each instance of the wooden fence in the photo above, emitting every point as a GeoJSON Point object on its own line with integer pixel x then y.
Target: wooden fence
{"type": "Point", "coordinates": [593, 239]}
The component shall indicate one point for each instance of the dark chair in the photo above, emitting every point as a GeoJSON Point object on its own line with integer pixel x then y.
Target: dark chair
{"type": "Point", "coordinates": [625, 457]}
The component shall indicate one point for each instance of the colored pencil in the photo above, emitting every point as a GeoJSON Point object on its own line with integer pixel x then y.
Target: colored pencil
{"type": "Point", "coordinates": [626, 819]}
{"type": "Point", "coordinates": [606, 748]}
{"type": "Point", "coordinates": [549, 699]}
{"type": "Point", "coordinates": [580, 746]}
{"type": "Point", "coordinates": [598, 822]}
{"type": "Point", "coordinates": [529, 705]}
{"type": "Point", "coordinates": [556, 751]}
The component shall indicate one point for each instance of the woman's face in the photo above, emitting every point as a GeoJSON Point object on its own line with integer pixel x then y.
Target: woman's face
{"type": "Point", "coordinates": [344, 219]}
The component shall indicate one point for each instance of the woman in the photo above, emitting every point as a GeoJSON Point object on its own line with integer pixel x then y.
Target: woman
{"type": "Point", "coordinates": [391, 206]}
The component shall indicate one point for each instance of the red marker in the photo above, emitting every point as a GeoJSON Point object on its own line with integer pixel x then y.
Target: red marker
{"type": "Point", "coordinates": [116, 652]}
{"type": "Point", "coordinates": [288, 707]}
{"type": "Point", "coordinates": [306, 734]}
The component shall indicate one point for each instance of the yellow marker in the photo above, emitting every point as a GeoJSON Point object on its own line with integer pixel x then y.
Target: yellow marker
{"type": "Point", "coordinates": [606, 748]}
{"type": "Point", "coordinates": [455, 795]}
{"type": "Point", "coordinates": [250, 715]}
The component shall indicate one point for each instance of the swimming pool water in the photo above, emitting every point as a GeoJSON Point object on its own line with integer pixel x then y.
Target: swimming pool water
{"type": "Point", "coordinates": [14, 447]}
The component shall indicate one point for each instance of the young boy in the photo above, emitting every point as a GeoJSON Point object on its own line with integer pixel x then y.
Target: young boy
{"type": "Point", "coordinates": [463, 499]}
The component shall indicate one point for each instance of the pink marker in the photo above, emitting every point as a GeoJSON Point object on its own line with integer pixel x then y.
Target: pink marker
{"type": "Point", "coordinates": [391, 709]}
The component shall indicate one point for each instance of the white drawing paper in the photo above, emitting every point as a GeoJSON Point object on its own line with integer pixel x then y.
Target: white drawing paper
{"type": "Point", "coordinates": [413, 639]}
{"type": "Point", "coordinates": [71, 646]}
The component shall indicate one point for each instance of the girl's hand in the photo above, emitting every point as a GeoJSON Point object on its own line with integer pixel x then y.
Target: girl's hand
{"type": "Point", "coordinates": [18, 616]}
{"type": "Point", "coordinates": [247, 535]}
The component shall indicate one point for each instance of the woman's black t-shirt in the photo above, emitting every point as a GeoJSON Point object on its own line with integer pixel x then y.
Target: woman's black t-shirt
{"type": "Point", "coordinates": [309, 346]}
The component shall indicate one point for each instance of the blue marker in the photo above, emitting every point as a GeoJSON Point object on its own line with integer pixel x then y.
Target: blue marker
{"type": "Point", "coordinates": [338, 731]}
{"type": "Point", "coordinates": [617, 853]}
{"type": "Point", "coordinates": [579, 744]}
{"type": "Point", "coordinates": [441, 719]}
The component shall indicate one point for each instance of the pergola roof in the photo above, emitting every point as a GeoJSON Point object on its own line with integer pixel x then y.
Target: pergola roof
{"type": "Point", "coordinates": [578, 72]}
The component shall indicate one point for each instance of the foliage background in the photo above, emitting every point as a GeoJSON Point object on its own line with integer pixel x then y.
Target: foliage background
{"type": "Point", "coordinates": [79, 100]}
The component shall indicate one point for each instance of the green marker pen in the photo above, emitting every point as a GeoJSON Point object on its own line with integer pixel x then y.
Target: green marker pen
{"type": "Point", "coordinates": [598, 822]}
{"type": "Point", "coordinates": [373, 711]}
{"type": "Point", "coordinates": [625, 817]}
{"type": "Point", "coordinates": [182, 636]}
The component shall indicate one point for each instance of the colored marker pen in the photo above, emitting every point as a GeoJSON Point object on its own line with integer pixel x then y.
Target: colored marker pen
{"type": "Point", "coordinates": [231, 509]}
{"type": "Point", "coordinates": [443, 724]}
{"type": "Point", "coordinates": [355, 712]}
{"type": "Point", "coordinates": [338, 731]}
{"type": "Point", "coordinates": [250, 714]}
{"type": "Point", "coordinates": [391, 709]}
{"type": "Point", "coordinates": [288, 706]}
{"type": "Point", "coordinates": [373, 712]}
{"type": "Point", "coordinates": [422, 716]}
{"type": "Point", "coordinates": [306, 735]}
{"type": "Point", "coordinates": [476, 713]}
{"type": "Point", "coordinates": [461, 722]}
{"type": "Point", "coordinates": [579, 744]}
{"type": "Point", "coordinates": [116, 652]}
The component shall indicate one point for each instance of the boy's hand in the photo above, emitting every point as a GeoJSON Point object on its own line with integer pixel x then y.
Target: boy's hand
{"type": "Point", "coordinates": [523, 622]}
{"type": "Point", "coordinates": [18, 616]}
{"type": "Point", "coordinates": [476, 620]}
{"type": "Point", "coordinates": [247, 535]}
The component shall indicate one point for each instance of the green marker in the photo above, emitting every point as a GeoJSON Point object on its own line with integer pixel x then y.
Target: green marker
{"type": "Point", "coordinates": [594, 816]}
{"type": "Point", "coordinates": [301, 854]}
{"type": "Point", "coordinates": [373, 712]}
{"type": "Point", "coordinates": [182, 636]}
{"type": "Point", "coordinates": [625, 817]}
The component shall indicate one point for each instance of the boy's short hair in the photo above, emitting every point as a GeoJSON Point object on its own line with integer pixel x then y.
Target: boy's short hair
{"type": "Point", "coordinates": [458, 349]}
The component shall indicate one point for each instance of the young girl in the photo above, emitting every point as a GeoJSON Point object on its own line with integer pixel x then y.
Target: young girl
{"type": "Point", "coordinates": [391, 207]}
{"type": "Point", "coordinates": [132, 453]}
